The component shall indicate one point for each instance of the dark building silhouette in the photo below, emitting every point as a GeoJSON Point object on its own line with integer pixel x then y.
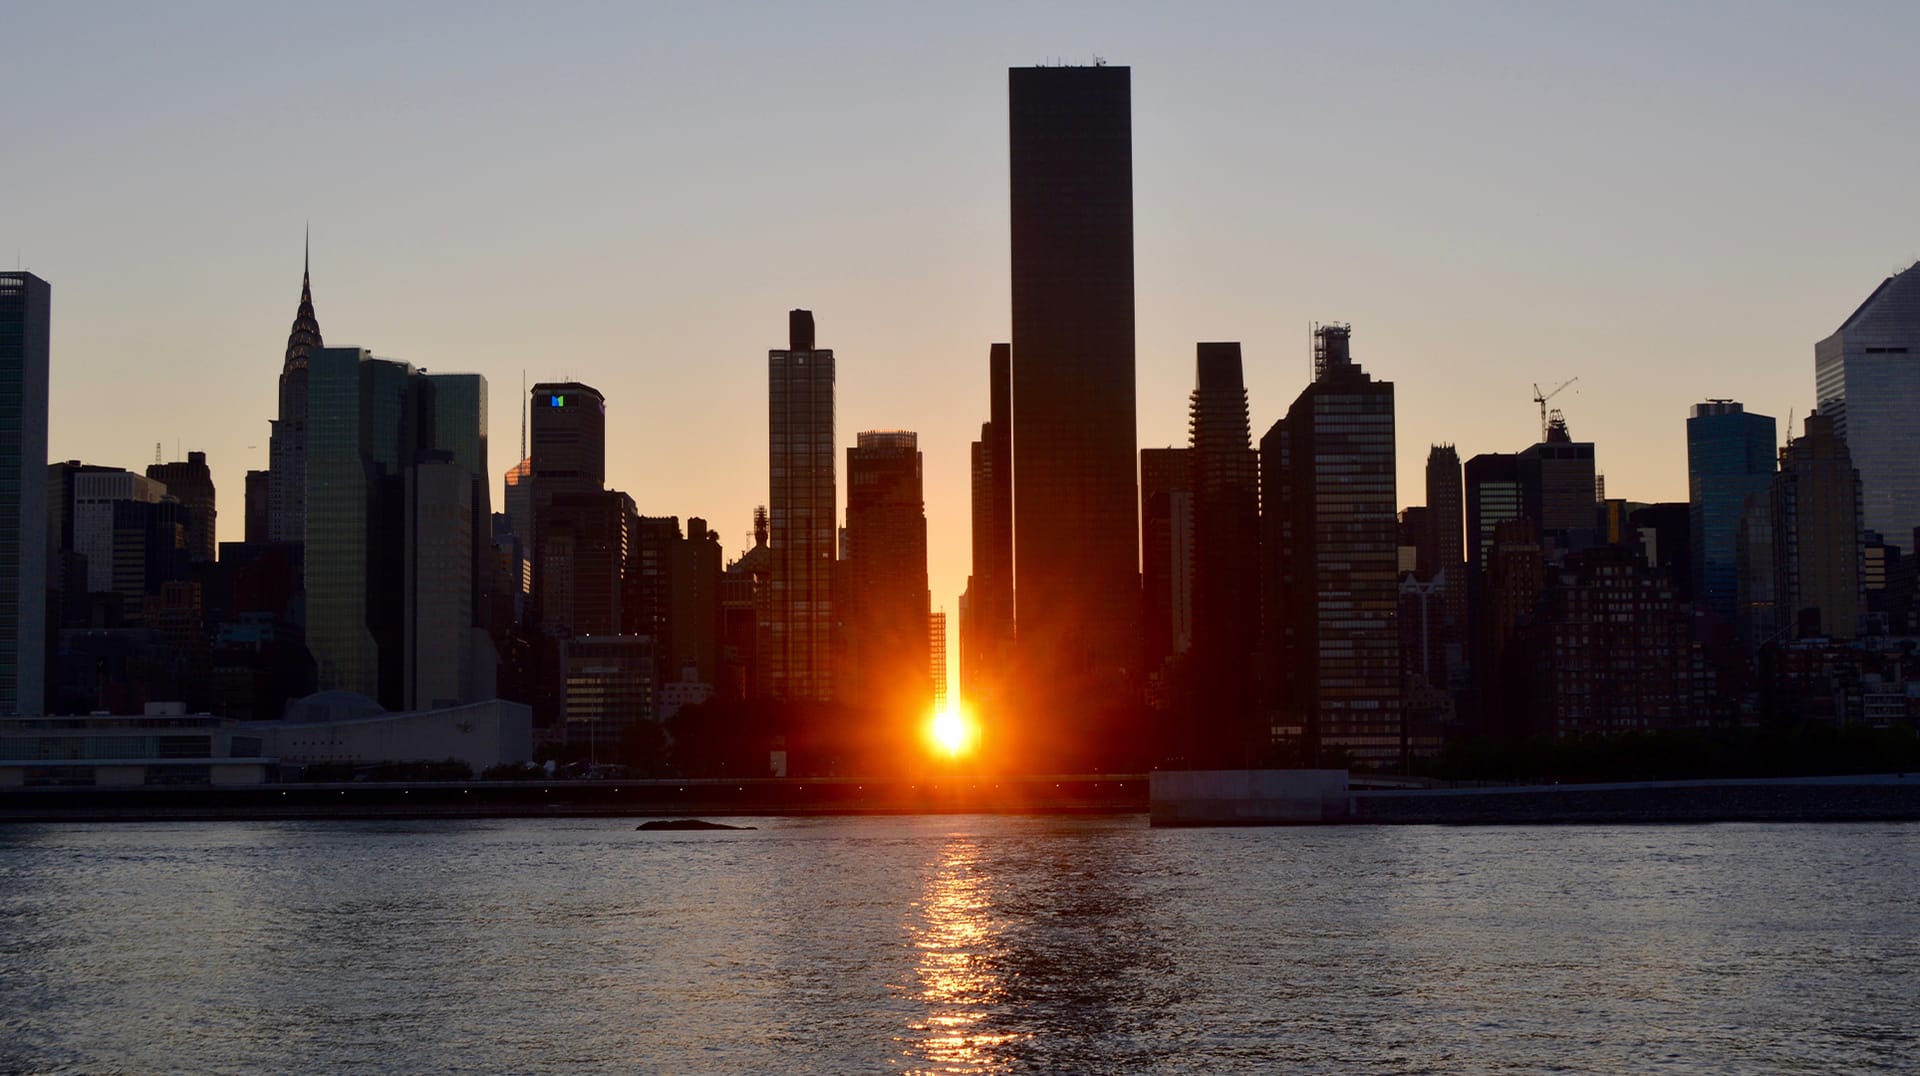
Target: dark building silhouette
{"type": "Point", "coordinates": [1224, 726]}
{"type": "Point", "coordinates": [1329, 548]}
{"type": "Point", "coordinates": [1664, 536]}
{"type": "Point", "coordinates": [745, 604]}
{"type": "Point", "coordinates": [1730, 457]}
{"type": "Point", "coordinates": [986, 633]}
{"type": "Point", "coordinates": [258, 494]}
{"type": "Point", "coordinates": [26, 304]}
{"type": "Point", "coordinates": [802, 515]}
{"type": "Point", "coordinates": [568, 457]}
{"type": "Point", "coordinates": [1818, 555]}
{"type": "Point", "coordinates": [1493, 497]}
{"type": "Point", "coordinates": [1076, 561]}
{"type": "Point", "coordinates": [287, 444]}
{"type": "Point", "coordinates": [888, 613]}
{"type": "Point", "coordinates": [1166, 572]}
{"type": "Point", "coordinates": [191, 483]}
{"type": "Point", "coordinates": [1608, 651]}
{"type": "Point", "coordinates": [1558, 488]}
{"type": "Point", "coordinates": [1446, 514]}
{"type": "Point", "coordinates": [1509, 599]}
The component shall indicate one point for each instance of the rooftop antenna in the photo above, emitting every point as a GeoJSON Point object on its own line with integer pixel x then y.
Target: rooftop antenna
{"type": "Point", "coordinates": [156, 453]}
{"type": "Point", "coordinates": [524, 404]}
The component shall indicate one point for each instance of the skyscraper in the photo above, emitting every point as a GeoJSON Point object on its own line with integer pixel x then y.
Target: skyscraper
{"type": "Point", "coordinates": [1867, 378]}
{"type": "Point", "coordinates": [1817, 551]}
{"type": "Point", "coordinates": [1223, 729]}
{"type": "Point", "coordinates": [1076, 558]}
{"type": "Point", "coordinates": [886, 584]}
{"type": "Point", "coordinates": [1730, 454]}
{"type": "Point", "coordinates": [803, 506]}
{"type": "Point", "coordinates": [1558, 490]}
{"type": "Point", "coordinates": [987, 620]}
{"type": "Point", "coordinates": [191, 483]}
{"type": "Point", "coordinates": [1166, 564]}
{"type": "Point", "coordinates": [287, 444]}
{"type": "Point", "coordinates": [1329, 544]}
{"type": "Point", "coordinates": [1445, 512]}
{"type": "Point", "coordinates": [568, 458]}
{"type": "Point", "coordinates": [26, 303]}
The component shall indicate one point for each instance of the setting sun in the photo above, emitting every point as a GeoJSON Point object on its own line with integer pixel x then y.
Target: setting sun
{"type": "Point", "coordinates": [952, 731]}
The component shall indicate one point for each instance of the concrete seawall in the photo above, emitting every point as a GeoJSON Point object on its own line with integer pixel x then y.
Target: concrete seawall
{"type": "Point", "coordinates": [1882, 797]}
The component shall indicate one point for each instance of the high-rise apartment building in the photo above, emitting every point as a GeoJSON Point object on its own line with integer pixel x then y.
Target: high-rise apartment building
{"type": "Point", "coordinates": [191, 483]}
{"type": "Point", "coordinates": [568, 458]}
{"type": "Point", "coordinates": [1223, 729]}
{"type": "Point", "coordinates": [95, 492]}
{"type": "Point", "coordinates": [287, 444]}
{"type": "Point", "coordinates": [1819, 587]}
{"type": "Point", "coordinates": [1730, 456]}
{"type": "Point", "coordinates": [1076, 558]}
{"type": "Point", "coordinates": [803, 511]}
{"type": "Point", "coordinates": [26, 303]}
{"type": "Point", "coordinates": [1329, 537]}
{"type": "Point", "coordinates": [1867, 378]}
{"type": "Point", "coordinates": [886, 576]}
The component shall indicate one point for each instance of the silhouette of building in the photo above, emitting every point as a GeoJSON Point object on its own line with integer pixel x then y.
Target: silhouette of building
{"type": "Point", "coordinates": [1730, 457]}
{"type": "Point", "coordinates": [986, 632]}
{"type": "Point", "coordinates": [1166, 569]}
{"type": "Point", "coordinates": [26, 303]}
{"type": "Point", "coordinates": [1509, 599]}
{"type": "Point", "coordinates": [393, 556]}
{"type": "Point", "coordinates": [802, 515]}
{"type": "Point", "coordinates": [258, 493]}
{"type": "Point", "coordinates": [1558, 488]}
{"type": "Point", "coordinates": [1819, 589]}
{"type": "Point", "coordinates": [1446, 506]}
{"type": "Point", "coordinates": [568, 457]}
{"type": "Point", "coordinates": [1493, 497]}
{"type": "Point", "coordinates": [1609, 651]}
{"type": "Point", "coordinates": [1329, 548]}
{"type": "Point", "coordinates": [287, 443]}
{"type": "Point", "coordinates": [886, 576]}
{"type": "Point", "coordinates": [96, 491]}
{"type": "Point", "coordinates": [1223, 728]}
{"type": "Point", "coordinates": [1076, 561]}
{"type": "Point", "coordinates": [1867, 378]}
{"type": "Point", "coordinates": [191, 483]}
{"type": "Point", "coordinates": [745, 608]}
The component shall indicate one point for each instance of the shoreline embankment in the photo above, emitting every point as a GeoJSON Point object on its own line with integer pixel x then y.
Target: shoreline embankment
{"type": "Point", "coordinates": [1865, 798]}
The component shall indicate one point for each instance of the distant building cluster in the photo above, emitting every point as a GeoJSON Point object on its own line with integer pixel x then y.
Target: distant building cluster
{"type": "Point", "coordinates": [1248, 598]}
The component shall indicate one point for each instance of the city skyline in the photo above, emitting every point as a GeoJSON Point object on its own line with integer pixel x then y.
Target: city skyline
{"type": "Point", "coordinates": [1711, 275]}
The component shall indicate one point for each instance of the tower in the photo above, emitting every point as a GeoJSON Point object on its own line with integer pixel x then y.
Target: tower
{"type": "Point", "coordinates": [1818, 586]}
{"type": "Point", "coordinates": [886, 587]}
{"type": "Point", "coordinates": [1226, 562]}
{"type": "Point", "coordinates": [1076, 557]}
{"type": "Point", "coordinates": [1329, 545]}
{"type": "Point", "coordinates": [1866, 378]}
{"type": "Point", "coordinates": [26, 303]}
{"type": "Point", "coordinates": [987, 621]}
{"type": "Point", "coordinates": [803, 509]}
{"type": "Point", "coordinates": [287, 443]}
{"type": "Point", "coordinates": [1730, 454]}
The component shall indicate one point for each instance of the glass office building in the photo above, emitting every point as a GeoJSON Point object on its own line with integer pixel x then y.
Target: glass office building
{"type": "Point", "coordinates": [1867, 379]}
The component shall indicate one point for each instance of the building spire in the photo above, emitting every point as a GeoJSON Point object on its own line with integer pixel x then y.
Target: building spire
{"type": "Point", "coordinates": [305, 335]}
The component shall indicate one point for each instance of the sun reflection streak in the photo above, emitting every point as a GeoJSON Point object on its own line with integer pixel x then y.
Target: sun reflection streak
{"type": "Point", "coordinates": [961, 981]}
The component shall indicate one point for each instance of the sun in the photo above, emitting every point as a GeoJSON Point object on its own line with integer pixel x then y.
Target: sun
{"type": "Point", "coordinates": [952, 731]}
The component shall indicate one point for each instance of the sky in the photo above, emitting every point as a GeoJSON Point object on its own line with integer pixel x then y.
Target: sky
{"type": "Point", "coordinates": [1670, 202]}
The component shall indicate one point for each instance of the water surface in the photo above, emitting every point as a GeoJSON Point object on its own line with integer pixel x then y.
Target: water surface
{"type": "Point", "coordinates": [956, 944]}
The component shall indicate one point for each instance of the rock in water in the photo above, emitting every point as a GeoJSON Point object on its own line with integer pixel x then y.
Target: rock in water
{"type": "Point", "coordinates": [687, 823]}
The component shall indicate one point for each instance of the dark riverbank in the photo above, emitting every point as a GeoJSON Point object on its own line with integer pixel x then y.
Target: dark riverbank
{"type": "Point", "coordinates": [1886, 797]}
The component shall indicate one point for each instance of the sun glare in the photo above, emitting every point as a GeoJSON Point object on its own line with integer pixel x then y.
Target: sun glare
{"type": "Point", "coordinates": [953, 732]}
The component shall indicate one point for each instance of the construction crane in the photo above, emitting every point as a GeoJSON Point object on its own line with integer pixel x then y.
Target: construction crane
{"type": "Point", "coordinates": [1541, 398]}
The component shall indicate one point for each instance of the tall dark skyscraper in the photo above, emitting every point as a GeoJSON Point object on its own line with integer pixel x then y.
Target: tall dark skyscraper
{"type": "Point", "coordinates": [803, 514]}
{"type": "Point", "coordinates": [1330, 545]}
{"type": "Point", "coordinates": [987, 628]}
{"type": "Point", "coordinates": [1730, 454]}
{"type": "Point", "coordinates": [191, 483]}
{"type": "Point", "coordinates": [1166, 568]}
{"type": "Point", "coordinates": [1817, 549]}
{"type": "Point", "coordinates": [886, 586]}
{"type": "Point", "coordinates": [287, 444]}
{"type": "Point", "coordinates": [1446, 504]}
{"type": "Point", "coordinates": [567, 459]}
{"type": "Point", "coordinates": [26, 303]}
{"type": "Point", "coordinates": [1076, 555]}
{"type": "Point", "coordinates": [1226, 563]}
